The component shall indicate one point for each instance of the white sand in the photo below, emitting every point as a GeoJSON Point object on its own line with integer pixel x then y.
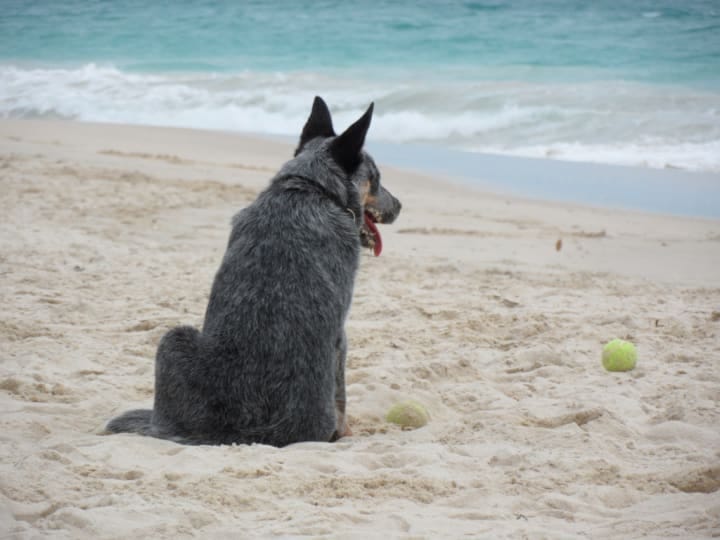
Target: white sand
{"type": "Point", "coordinates": [111, 235]}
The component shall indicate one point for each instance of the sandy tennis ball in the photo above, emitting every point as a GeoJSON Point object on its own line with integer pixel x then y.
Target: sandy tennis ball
{"type": "Point", "coordinates": [619, 355]}
{"type": "Point", "coordinates": [410, 414]}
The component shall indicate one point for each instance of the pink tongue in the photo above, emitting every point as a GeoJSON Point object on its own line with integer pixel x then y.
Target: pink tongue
{"type": "Point", "coordinates": [376, 234]}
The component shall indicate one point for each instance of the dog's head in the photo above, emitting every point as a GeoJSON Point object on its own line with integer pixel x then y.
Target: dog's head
{"type": "Point", "coordinates": [377, 204]}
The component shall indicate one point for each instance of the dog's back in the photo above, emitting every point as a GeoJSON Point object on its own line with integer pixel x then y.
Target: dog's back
{"type": "Point", "coordinates": [276, 315]}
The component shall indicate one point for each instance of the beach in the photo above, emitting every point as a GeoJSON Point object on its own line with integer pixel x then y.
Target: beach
{"type": "Point", "coordinates": [489, 309]}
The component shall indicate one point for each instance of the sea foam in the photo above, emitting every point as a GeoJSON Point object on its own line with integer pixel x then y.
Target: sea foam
{"type": "Point", "coordinates": [603, 121]}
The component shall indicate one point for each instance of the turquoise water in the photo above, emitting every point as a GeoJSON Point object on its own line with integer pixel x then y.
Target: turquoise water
{"type": "Point", "coordinates": [653, 41]}
{"type": "Point", "coordinates": [635, 83]}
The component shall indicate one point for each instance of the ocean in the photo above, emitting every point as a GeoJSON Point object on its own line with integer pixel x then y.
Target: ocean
{"type": "Point", "coordinates": [606, 81]}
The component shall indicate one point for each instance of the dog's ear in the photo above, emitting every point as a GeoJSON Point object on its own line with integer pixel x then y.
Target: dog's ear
{"type": "Point", "coordinates": [346, 148]}
{"type": "Point", "coordinates": [319, 124]}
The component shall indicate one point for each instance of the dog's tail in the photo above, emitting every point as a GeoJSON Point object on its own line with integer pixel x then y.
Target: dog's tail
{"type": "Point", "coordinates": [136, 421]}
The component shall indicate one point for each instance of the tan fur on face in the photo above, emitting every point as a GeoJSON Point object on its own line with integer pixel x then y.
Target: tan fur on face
{"type": "Point", "coordinates": [365, 196]}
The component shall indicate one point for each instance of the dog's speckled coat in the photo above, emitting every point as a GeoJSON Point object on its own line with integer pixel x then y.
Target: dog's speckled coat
{"type": "Point", "coordinates": [269, 364]}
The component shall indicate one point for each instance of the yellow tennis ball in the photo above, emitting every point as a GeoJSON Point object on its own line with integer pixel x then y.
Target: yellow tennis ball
{"type": "Point", "coordinates": [410, 414]}
{"type": "Point", "coordinates": [619, 355]}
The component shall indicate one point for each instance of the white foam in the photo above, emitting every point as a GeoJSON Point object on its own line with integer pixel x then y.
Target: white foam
{"type": "Point", "coordinates": [689, 156]}
{"type": "Point", "coordinates": [607, 122]}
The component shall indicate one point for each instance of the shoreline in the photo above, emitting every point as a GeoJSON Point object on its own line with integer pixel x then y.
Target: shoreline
{"type": "Point", "coordinates": [662, 191]}
{"type": "Point", "coordinates": [669, 191]}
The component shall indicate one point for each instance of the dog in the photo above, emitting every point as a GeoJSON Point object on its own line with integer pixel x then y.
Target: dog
{"type": "Point", "coordinates": [268, 366]}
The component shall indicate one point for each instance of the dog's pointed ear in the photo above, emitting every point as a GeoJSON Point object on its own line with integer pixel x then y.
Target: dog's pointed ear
{"type": "Point", "coordinates": [319, 124]}
{"type": "Point", "coordinates": [346, 149]}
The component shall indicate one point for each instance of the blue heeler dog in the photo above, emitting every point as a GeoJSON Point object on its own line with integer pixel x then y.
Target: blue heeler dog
{"type": "Point", "coordinates": [269, 364]}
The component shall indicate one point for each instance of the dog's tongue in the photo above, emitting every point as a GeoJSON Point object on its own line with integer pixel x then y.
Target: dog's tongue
{"type": "Point", "coordinates": [370, 224]}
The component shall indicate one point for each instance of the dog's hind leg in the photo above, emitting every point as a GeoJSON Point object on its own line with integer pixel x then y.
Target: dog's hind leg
{"type": "Point", "coordinates": [177, 400]}
{"type": "Point", "coordinates": [342, 429]}
{"type": "Point", "coordinates": [180, 381]}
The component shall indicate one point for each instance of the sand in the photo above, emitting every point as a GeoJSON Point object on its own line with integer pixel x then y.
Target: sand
{"type": "Point", "coordinates": [489, 310]}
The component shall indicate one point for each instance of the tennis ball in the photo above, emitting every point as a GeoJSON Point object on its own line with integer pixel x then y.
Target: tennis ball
{"type": "Point", "coordinates": [619, 355]}
{"type": "Point", "coordinates": [410, 414]}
